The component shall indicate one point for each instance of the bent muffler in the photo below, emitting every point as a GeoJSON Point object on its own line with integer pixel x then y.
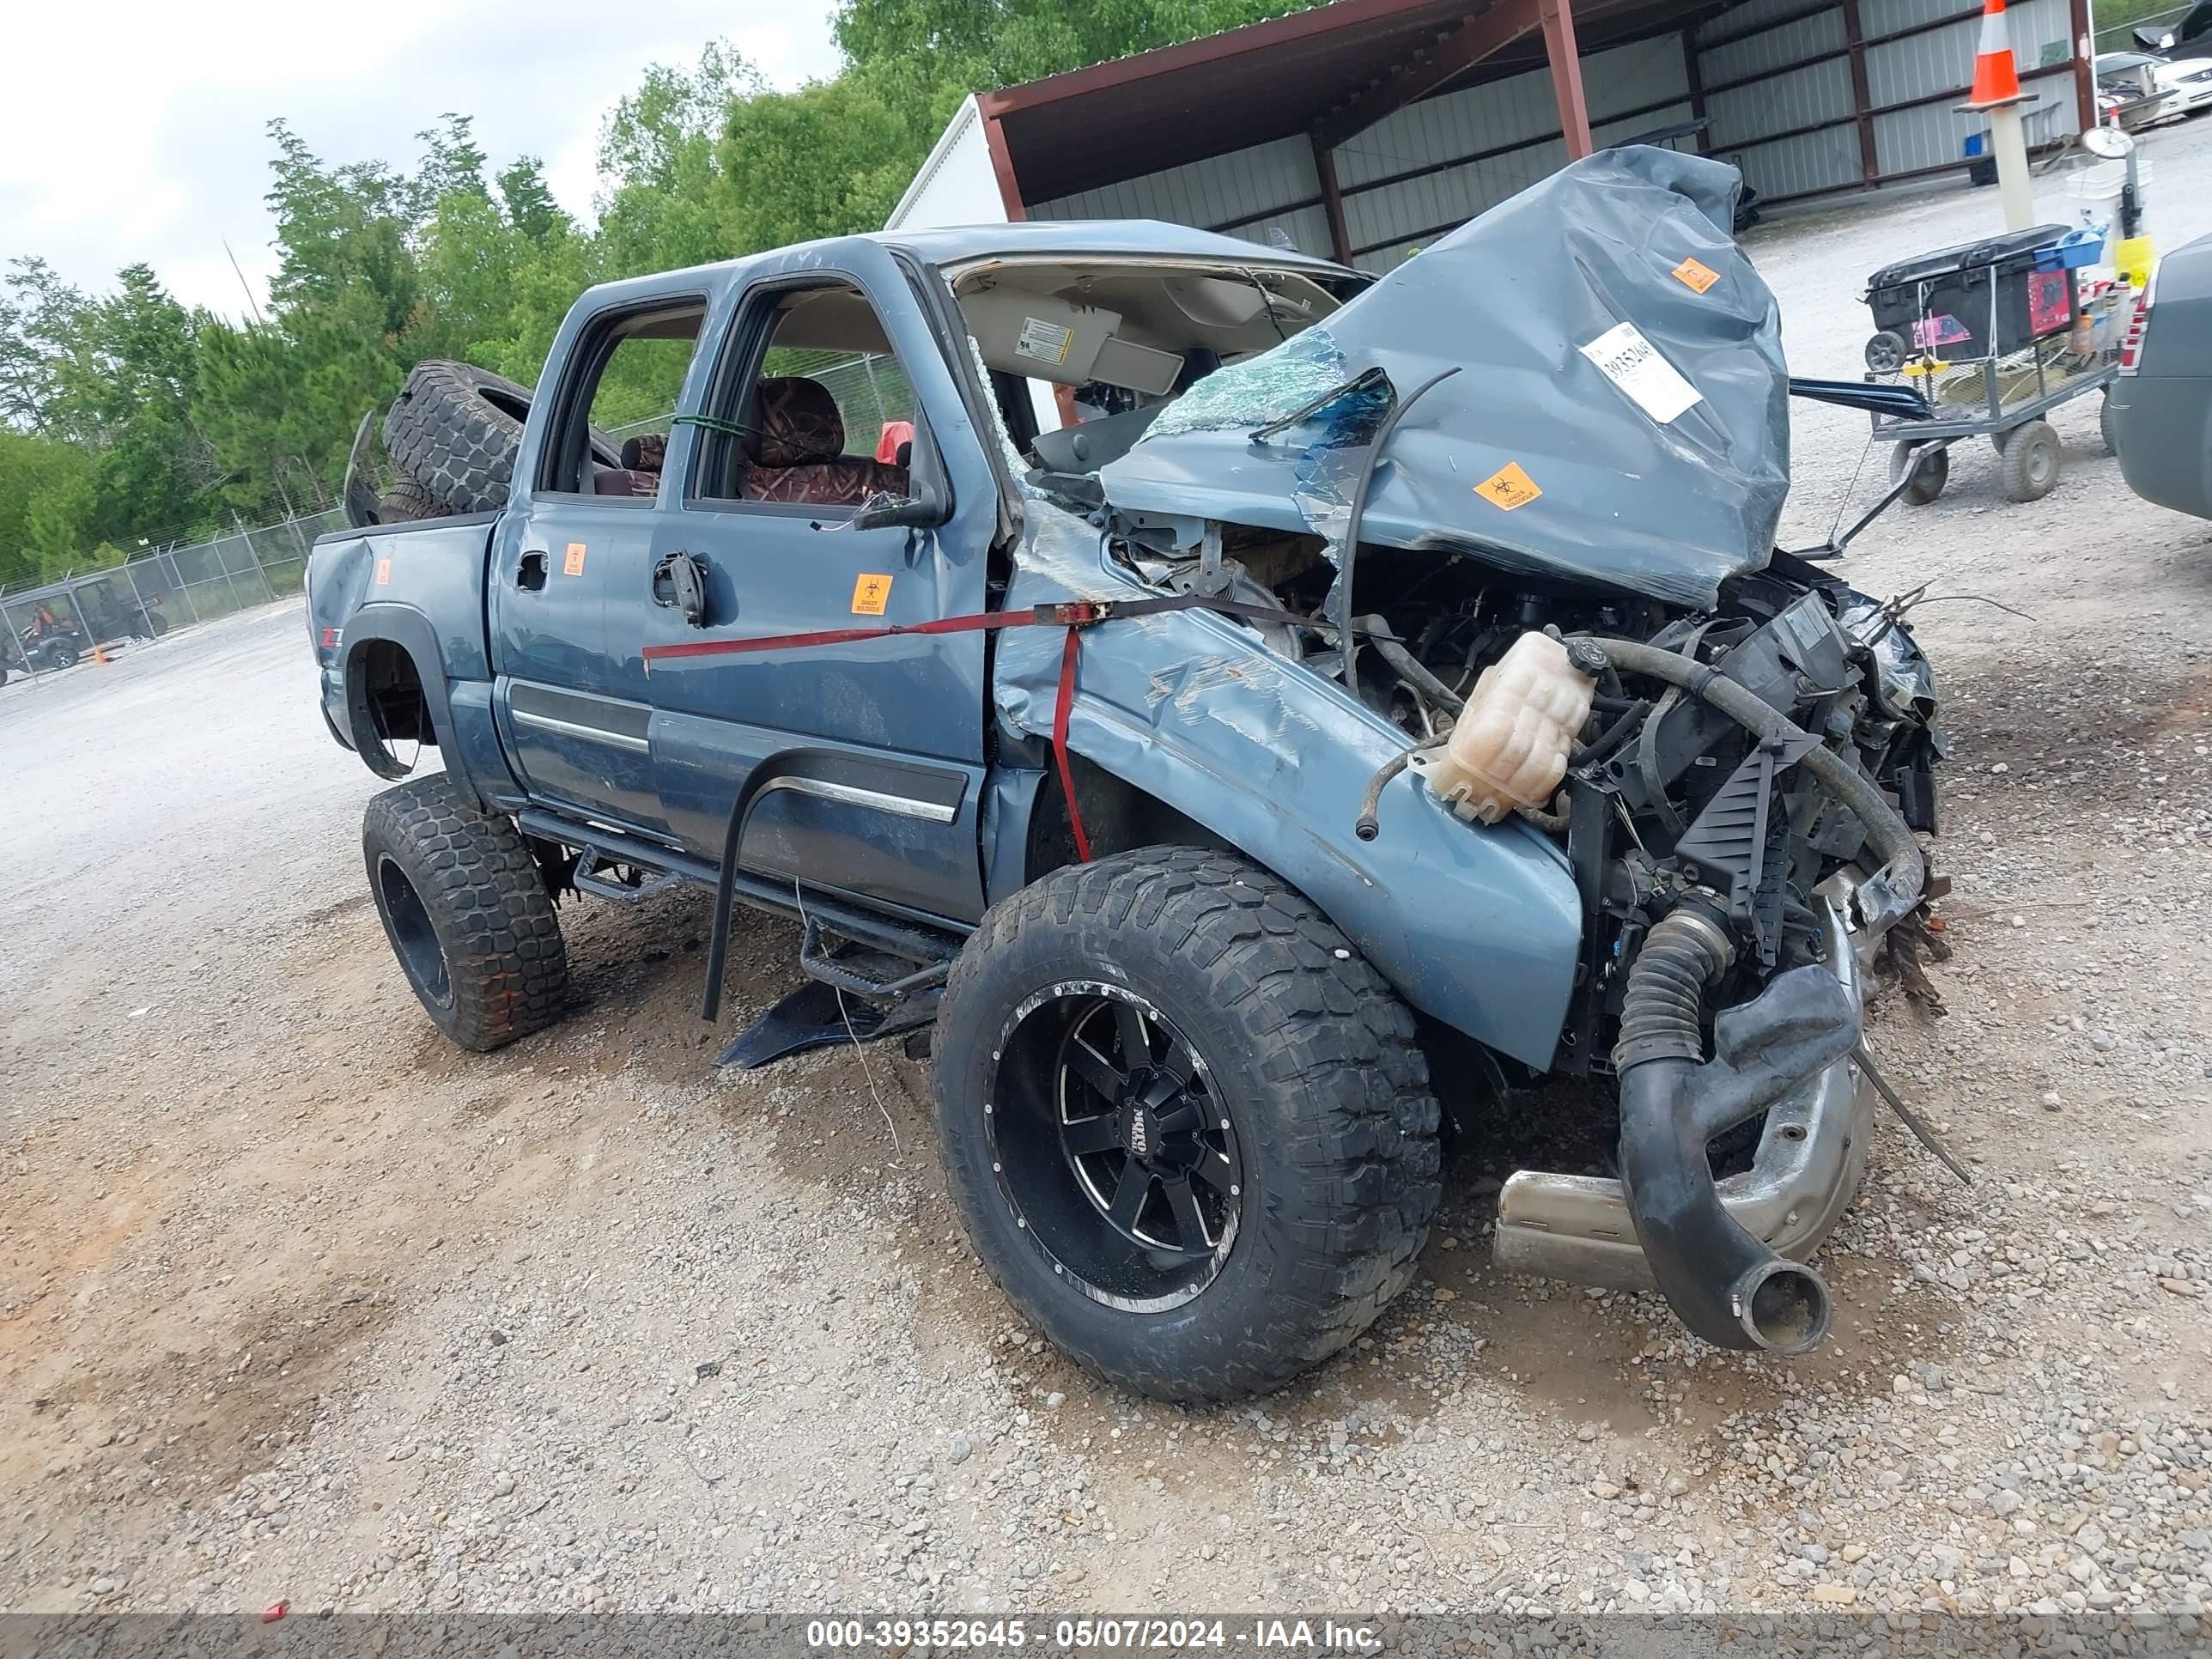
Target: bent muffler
{"type": "Point", "coordinates": [1729, 1287]}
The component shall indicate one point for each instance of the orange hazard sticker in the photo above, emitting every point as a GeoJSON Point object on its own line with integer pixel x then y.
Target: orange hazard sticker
{"type": "Point", "coordinates": [1694, 276]}
{"type": "Point", "coordinates": [1508, 488]}
{"type": "Point", "coordinates": [384, 573]}
{"type": "Point", "coordinates": [869, 595]}
{"type": "Point", "coordinates": [573, 564]}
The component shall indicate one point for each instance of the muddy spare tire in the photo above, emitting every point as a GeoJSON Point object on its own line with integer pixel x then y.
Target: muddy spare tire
{"type": "Point", "coordinates": [407, 501]}
{"type": "Point", "coordinates": [456, 429]}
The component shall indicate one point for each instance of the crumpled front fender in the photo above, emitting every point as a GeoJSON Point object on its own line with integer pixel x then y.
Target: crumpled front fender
{"type": "Point", "coordinates": [1479, 928]}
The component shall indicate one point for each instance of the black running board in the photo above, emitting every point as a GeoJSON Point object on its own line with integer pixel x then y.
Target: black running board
{"type": "Point", "coordinates": [816, 1016]}
{"type": "Point", "coordinates": [917, 940]}
{"type": "Point", "coordinates": [589, 878]}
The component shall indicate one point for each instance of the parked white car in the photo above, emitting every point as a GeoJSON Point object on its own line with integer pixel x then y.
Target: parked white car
{"type": "Point", "coordinates": [2187, 84]}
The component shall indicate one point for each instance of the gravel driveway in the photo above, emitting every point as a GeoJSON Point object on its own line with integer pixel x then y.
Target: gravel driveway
{"type": "Point", "coordinates": [300, 1302]}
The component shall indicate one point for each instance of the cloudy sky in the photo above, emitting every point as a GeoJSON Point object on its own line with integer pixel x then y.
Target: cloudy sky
{"type": "Point", "coordinates": [134, 130]}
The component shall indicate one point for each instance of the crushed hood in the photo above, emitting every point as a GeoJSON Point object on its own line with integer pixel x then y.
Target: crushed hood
{"type": "Point", "coordinates": [1620, 415]}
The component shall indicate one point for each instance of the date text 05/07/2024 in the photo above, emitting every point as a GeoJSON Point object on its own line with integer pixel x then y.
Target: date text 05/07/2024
{"type": "Point", "coordinates": [1114, 1635]}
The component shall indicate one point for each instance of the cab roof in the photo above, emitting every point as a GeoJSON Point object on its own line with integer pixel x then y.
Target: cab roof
{"type": "Point", "coordinates": [1070, 240]}
{"type": "Point", "coordinates": [1097, 238]}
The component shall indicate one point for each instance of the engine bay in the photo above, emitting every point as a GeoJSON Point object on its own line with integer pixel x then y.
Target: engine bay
{"type": "Point", "coordinates": [1662, 794]}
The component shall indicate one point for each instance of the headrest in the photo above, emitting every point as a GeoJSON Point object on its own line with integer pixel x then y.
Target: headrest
{"type": "Point", "coordinates": [645, 452]}
{"type": "Point", "coordinates": [799, 423]}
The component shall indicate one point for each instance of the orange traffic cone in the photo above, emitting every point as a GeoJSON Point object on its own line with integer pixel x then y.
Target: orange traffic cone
{"type": "Point", "coordinates": [99, 655]}
{"type": "Point", "coordinates": [1996, 80]}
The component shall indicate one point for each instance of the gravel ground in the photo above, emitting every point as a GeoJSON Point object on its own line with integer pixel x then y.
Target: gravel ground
{"type": "Point", "coordinates": [300, 1302]}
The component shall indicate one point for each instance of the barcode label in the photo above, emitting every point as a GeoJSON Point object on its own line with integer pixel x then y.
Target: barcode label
{"type": "Point", "coordinates": [1632, 363]}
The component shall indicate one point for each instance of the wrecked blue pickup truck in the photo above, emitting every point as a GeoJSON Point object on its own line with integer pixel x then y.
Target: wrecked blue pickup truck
{"type": "Point", "coordinates": [1230, 705]}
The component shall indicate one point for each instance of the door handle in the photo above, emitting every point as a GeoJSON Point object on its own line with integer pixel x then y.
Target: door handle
{"type": "Point", "coordinates": [679, 582]}
{"type": "Point", "coordinates": [530, 571]}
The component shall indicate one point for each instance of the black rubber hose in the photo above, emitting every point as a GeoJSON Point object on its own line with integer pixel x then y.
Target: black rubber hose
{"type": "Point", "coordinates": [1897, 888]}
{"type": "Point", "coordinates": [1551, 824]}
{"type": "Point", "coordinates": [1724, 1285]}
{"type": "Point", "coordinates": [1367, 826]}
{"type": "Point", "coordinates": [1393, 651]}
{"type": "Point", "coordinates": [1615, 734]}
{"type": "Point", "coordinates": [1356, 511]}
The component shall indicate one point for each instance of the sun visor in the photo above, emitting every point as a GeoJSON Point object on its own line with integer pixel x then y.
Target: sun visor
{"type": "Point", "coordinates": [1024, 332]}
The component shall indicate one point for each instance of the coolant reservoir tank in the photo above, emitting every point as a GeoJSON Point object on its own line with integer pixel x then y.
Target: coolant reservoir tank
{"type": "Point", "coordinates": [1510, 745]}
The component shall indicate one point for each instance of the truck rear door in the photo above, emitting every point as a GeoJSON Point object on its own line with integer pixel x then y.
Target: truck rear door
{"type": "Point", "coordinates": [573, 533]}
{"type": "Point", "coordinates": [860, 765]}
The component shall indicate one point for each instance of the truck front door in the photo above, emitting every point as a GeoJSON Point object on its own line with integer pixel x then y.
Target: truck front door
{"type": "Point", "coordinates": [860, 766]}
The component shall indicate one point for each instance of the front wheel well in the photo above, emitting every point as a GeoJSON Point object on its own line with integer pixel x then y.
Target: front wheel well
{"type": "Point", "coordinates": [1118, 817]}
{"type": "Point", "coordinates": [387, 706]}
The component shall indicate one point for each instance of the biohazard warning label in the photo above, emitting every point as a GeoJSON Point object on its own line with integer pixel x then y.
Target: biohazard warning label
{"type": "Point", "coordinates": [1694, 276]}
{"type": "Point", "coordinates": [384, 573]}
{"type": "Point", "coordinates": [1508, 488]}
{"type": "Point", "coordinates": [573, 563]}
{"type": "Point", "coordinates": [869, 595]}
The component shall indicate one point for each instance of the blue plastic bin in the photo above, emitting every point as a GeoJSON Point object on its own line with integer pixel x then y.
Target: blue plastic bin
{"type": "Point", "coordinates": [2071, 252]}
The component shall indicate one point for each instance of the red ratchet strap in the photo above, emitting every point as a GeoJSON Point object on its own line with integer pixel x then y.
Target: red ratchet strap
{"type": "Point", "coordinates": [1074, 615]}
{"type": "Point", "coordinates": [1059, 743]}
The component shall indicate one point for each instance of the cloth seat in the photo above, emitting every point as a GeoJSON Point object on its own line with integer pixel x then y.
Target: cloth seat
{"type": "Point", "coordinates": [639, 471]}
{"type": "Point", "coordinates": [795, 453]}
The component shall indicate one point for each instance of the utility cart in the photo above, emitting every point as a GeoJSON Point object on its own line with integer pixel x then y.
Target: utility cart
{"type": "Point", "coordinates": [1994, 335]}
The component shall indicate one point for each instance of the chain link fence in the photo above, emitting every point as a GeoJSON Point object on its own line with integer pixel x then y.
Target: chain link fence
{"type": "Point", "coordinates": [57, 625]}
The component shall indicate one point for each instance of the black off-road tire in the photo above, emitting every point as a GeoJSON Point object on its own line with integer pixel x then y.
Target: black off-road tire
{"type": "Point", "coordinates": [406, 501]}
{"type": "Point", "coordinates": [1312, 1055]}
{"type": "Point", "coordinates": [455, 429]}
{"type": "Point", "coordinates": [466, 912]}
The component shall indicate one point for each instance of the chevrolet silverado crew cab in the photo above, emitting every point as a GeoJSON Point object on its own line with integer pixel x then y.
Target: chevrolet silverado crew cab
{"type": "Point", "coordinates": [1234, 703]}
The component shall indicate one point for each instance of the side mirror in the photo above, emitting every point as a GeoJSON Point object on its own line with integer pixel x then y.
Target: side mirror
{"type": "Point", "coordinates": [909, 512]}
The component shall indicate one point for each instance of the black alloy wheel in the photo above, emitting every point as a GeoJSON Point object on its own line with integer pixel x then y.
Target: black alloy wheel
{"type": "Point", "coordinates": [1110, 1143]}
{"type": "Point", "coordinates": [1188, 1127]}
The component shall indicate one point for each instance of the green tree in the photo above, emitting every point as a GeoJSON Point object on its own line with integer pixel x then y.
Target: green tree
{"type": "Point", "coordinates": [530, 205]}
{"type": "Point", "coordinates": [114, 376]}
{"type": "Point", "coordinates": [47, 501]}
{"type": "Point", "coordinates": [125, 415]}
{"type": "Point", "coordinates": [923, 56]}
{"type": "Point", "coordinates": [828, 160]}
{"type": "Point", "coordinates": [340, 229]}
{"type": "Point", "coordinates": [660, 175]}
{"type": "Point", "coordinates": [452, 164]}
